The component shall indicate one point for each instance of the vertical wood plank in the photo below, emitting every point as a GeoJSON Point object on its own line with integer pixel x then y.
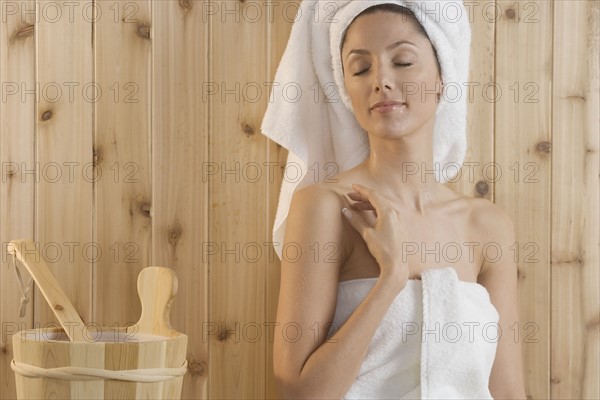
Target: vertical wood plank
{"type": "Point", "coordinates": [17, 130]}
{"type": "Point", "coordinates": [575, 344]}
{"type": "Point", "coordinates": [476, 176]}
{"type": "Point", "coordinates": [63, 207]}
{"type": "Point", "coordinates": [123, 192]}
{"type": "Point", "coordinates": [279, 30]}
{"type": "Point", "coordinates": [238, 198]}
{"type": "Point", "coordinates": [522, 147]}
{"type": "Point", "coordinates": [180, 118]}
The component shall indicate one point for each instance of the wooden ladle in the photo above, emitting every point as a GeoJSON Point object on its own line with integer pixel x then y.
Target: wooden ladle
{"type": "Point", "coordinates": [70, 320]}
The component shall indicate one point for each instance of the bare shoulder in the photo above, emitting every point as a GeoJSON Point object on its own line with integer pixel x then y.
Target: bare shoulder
{"type": "Point", "coordinates": [319, 202]}
{"type": "Point", "coordinates": [319, 191]}
{"type": "Point", "coordinates": [489, 218]}
{"type": "Point", "coordinates": [495, 228]}
{"type": "Point", "coordinates": [315, 219]}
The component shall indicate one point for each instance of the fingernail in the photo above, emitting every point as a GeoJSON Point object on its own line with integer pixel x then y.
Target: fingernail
{"type": "Point", "coordinates": [347, 213]}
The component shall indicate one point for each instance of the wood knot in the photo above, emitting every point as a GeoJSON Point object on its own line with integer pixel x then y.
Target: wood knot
{"type": "Point", "coordinates": [143, 31]}
{"type": "Point", "coordinates": [185, 4]}
{"type": "Point", "coordinates": [46, 115]}
{"type": "Point", "coordinates": [482, 188]}
{"type": "Point", "coordinates": [58, 307]}
{"type": "Point", "coordinates": [223, 334]}
{"type": "Point", "coordinates": [555, 381]}
{"type": "Point", "coordinates": [196, 368]}
{"type": "Point", "coordinates": [4, 349]}
{"type": "Point", "coordinates": [543, 147]}
{"type": "Point", "coordinates": [247, 129]}
{"type": "Point", "coordinates": [510, 13]}
{"type": "Point", "coordinates": [145, 207]}
{"type": "Point", "coordinates": [96, 155]}
{"type": "Point", "coordinates": [21, 33]}
{"type": "Point", "coordinates": [520, 274]}
{"type": "Point", "coordinates": [593, 323]}
{"type": "Point", "coordinates": [175, 234]}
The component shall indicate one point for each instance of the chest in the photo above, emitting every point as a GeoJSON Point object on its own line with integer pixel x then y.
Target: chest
{"type": "Point", "coordinates": [429, 242]}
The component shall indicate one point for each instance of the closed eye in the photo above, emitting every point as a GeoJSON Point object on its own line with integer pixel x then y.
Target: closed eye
{"type": "Point", "coordinates": [365, 70]}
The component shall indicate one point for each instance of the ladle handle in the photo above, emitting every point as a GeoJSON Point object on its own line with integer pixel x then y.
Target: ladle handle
{"type": "Point", "coordinates": [61, 306]}
{"type": "Point", "coordinates": [157, 287]}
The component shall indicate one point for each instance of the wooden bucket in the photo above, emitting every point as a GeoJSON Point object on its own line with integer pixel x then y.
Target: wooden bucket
{"type": "Point", "coordinates": [143, 361]}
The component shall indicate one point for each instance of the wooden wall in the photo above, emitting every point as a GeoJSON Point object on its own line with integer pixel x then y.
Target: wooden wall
{"type": "Point", "coordinates": [132, 138]}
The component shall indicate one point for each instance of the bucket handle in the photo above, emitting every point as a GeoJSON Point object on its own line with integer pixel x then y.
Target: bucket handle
{"type": "Point", "coordinates": [156, 287]}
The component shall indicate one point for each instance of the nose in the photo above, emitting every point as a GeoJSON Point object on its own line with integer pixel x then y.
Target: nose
{"type": "Point", "coordinates": [383, 78]}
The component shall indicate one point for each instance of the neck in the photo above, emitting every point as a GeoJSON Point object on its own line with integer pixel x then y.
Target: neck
{"type": "Point", "coordinates": [403, 169]}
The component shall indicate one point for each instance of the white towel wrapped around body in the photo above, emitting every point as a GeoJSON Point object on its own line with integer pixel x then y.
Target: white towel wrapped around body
{"type": "Point", "coordinates": [437, 340]}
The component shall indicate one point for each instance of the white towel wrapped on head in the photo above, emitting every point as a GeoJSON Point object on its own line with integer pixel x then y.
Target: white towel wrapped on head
{"type": "Point", "coordinates": [309, 111]}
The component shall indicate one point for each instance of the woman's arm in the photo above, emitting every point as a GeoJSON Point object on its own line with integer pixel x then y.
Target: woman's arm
{"type": "Point", "coordinates": [305, 365]}
{"type": "Point", "coordinates": [500, 279]}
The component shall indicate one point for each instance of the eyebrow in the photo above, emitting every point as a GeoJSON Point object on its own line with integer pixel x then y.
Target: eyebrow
{"type": "Point", "coordinates": [390, 47]}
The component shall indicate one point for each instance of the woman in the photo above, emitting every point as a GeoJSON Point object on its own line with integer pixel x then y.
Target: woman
{"type": "Point", "coordinates": [387, 205]}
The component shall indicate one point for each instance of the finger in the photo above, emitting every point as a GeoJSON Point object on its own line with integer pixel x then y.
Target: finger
{"type": "Point", "coordinates": [379, 203]}
{"type": "Point", "coordinates": [363, 206]}
{"type": "Point", "coordinates": [355, 218]}
{"type": "Point", "coordinates": [361, 203]}
{"type": "Point", "coordinates": [356, 196]}
{"type": "Point", "coordinates": [370, 217]}
{"type": "Point", "coordinates": [366, 210]}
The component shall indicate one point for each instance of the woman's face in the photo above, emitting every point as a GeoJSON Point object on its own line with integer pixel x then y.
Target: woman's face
{"type": "Point", "coordinates": [385, 71]}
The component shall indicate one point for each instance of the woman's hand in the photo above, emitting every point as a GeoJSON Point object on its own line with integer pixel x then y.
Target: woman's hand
{"type": "Point", "coordinates": [383, 236]}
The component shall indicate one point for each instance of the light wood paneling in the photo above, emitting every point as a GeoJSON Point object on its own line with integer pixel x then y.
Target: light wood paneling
{"type": "Point", "coordinates": [176, 138]}
{"type": "Point", "coordinates": [476, 178]}
{"type": "Point", "coordinates": [238, 262]}
{"type": "Point", "coordinates": [17, 185]}
{"type": "Point", "coordinates": [575, 204]}
{"type": "Point", "coordinates": [122, 145]}
{"type": "Point", "coordinates": [63, 201]}
{"type": "Point", "coordinates": [180, 207]}
{"type": "Point", "coordinates": [522, 137]}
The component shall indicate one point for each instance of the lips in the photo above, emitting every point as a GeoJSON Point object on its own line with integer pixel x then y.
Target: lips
{"type": "Point", "coordinates": [384, 106]}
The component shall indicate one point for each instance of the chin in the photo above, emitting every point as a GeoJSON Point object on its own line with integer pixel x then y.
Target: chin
{"type": "Point", "coordinates": [391, 130]}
